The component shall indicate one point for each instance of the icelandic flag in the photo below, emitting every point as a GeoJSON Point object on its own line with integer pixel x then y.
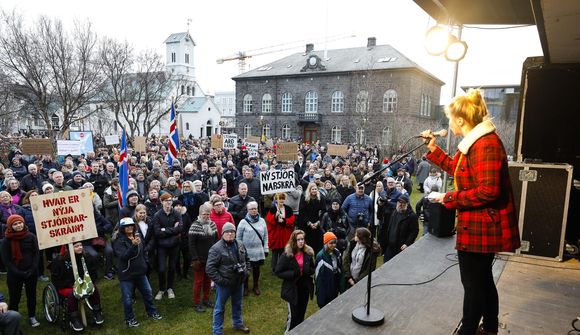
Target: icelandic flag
{"type": "Point", "coordinates": [173, 137]}
{"type": "Point", "coordinates": [123, 173]}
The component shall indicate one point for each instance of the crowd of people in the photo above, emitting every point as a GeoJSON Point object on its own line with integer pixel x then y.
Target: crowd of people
{"type": "Point", "coordinates": [204, 216]}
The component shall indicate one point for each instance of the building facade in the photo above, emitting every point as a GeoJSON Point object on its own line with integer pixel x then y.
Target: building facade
{"type": "Point", "coordinates": [226, 104]}
{"type": "Point", "coordinates": [370, 95]}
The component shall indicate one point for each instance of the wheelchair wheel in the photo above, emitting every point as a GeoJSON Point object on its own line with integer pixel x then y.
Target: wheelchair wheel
{"type": "Point", "coordinates": [51, 303]}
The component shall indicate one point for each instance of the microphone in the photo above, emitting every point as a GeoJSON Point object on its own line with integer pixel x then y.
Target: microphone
{"type": "Point", "coordinates": [440, 133]}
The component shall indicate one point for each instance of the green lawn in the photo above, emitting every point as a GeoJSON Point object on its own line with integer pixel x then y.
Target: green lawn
{"type": "Point", "coordinates": [265, 314]}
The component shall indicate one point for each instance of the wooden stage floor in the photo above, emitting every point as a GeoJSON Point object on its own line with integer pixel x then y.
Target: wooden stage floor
{"type": "Point", "coordinates": [534, 299]}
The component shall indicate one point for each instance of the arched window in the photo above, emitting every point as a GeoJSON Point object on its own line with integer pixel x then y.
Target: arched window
{"type": "Point", "coordinates": [335, 134]}
{"type": "Point", "coordinates": [362, 102]}
{"type": "Point", "coordinates": [266, 103]}
{"type": "Point", "coordinates": [337, 102]}
{"type": "Point", "coordinates": [286, 103]}
{"type": "Point", "coordinates": [425, 105]}
{"type": "Point", "coordinates": [247, 103]}
{"type": "Point", "coordinates": [390, 101]}
{"type": "Point", "coordinates": [360, 136]}
{"type": "Point", "coordinates": [247, 130]}
{"type": "Point", "coordinates": [286, 131]}
{"type": "Point", "coordinates": [387, 136]}
{"type": "Point", "coordinates": [182, 89]}
{"type": "Point", "coordinates": [311, 102]}
{"type": "Point", "coordinates": [267, 130]}
{"type": "Point", "coordinates": [188, 90]}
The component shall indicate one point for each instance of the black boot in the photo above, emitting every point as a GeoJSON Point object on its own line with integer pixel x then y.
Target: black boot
{"type": "Point", "coordinates": [98, 314]}
{"type": "Point", "coordinates": [75, 322]}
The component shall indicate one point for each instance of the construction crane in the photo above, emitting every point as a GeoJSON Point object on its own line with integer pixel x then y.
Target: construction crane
{"type": "Point", "coordinates": [241, 56]}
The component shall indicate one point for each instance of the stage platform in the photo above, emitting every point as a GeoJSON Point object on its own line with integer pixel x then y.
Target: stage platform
{"type": "Point", "coordinates": [533, 299]}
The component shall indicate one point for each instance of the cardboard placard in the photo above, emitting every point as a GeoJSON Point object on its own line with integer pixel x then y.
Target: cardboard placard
{"type": "Point", "coordinates": [269, 143]}
{"type": "Point", "coordinates": [64, 217]}
{"type": "Point", "coordinates": [252, 149]}
{"type": "Point", "coordinates": [37, 146]}
{"type": "Point", "coordinates": [140, 143]}
{"type": "Point", "coordinates": [287, 151]}
{"type": "Point", "coordinates": [253, 139]}
{"type": "Point", "coordinates": [111, 139]}
{"type": "Point", "coordinates": [337, 150]}
{"type": "Point", "coordinates": [230, 141]}
{"type": "Point", "coordinates": [275, 181]}
{"type": "Point", "coordinates": [216, 141]}
{"type": "Point", "coordinates": [68, 147]}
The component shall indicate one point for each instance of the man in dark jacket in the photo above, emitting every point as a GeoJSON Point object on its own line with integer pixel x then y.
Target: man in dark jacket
{"type": "Point", "coordinates": [237, 206]}
{"type": "Point", "coordinates": [253, 186]}
{"type": "Point", "coordinates": [128, 211]}
{"type": "Point", "coordinates": [9, 320]}
{"type": "Point", "coordinates": [99, 181]}
{"type": "Point", "coordinates": [401, 231]}
{"type": "Point", "coordinates": [33, 180]}
{"type": "Point", "coordinates": [228, 265]}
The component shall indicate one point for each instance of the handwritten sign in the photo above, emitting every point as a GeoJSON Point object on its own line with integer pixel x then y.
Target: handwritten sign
{"type": "Point", "coordinates": [37, 146]}
{"type": "Point", "coordinates": [68, 147]}
{"type": "Point", "coordinates": [337, 150]}
{"type": "Point", "coordinates": [216, 141]}
{"type": "Point", "coordinates": [64, 217]}
{"type": "Point", "coordinates": [287, 151]}
{"type": "Point", "coordinates": [140, 144]}
{"type": "Point", "coordinates": [230, 141]}
{"type": "Point", "coordinates": [111, 139]}
{"type": "Point", "coordinates": [253, 139]}
{"type": "Point", "coordinates": [275, 181]}
{"type": "Point", "coordinates": [252, 149]}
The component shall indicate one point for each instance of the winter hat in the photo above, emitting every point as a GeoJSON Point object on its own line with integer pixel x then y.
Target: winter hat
{"type": "Point", "coordinates": [76, 173]}
{"type": "Point", "coordinates": [46, 186]}
{"type": "Point", "coordinates": [12, 219]}
{"type": "Point", "coordinates": [329, 236]}
{"type": "Point", "coordinates": [403, 198]}
{"type": "Point", "coordinates": [228, 226]}
{"type": "Point", "coordinates": [132, 193]}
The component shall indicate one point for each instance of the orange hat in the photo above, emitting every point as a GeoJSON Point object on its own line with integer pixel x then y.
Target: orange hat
{"type": "Point", "coordinates": [329, 236]}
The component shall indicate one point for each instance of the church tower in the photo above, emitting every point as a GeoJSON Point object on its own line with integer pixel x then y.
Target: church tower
{"type": "Point", "coordinates": [179, 56]}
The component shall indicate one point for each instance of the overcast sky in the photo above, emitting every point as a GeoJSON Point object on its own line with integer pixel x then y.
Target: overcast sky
{"type": "Point", "coordinates": [222, 28]}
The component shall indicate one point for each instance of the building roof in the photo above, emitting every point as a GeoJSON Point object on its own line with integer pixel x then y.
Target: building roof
{"type": "Point", "coordinates": [192, 105]}
{"type": "Point", "coordinates": [178, 37]}
{"type": "Point", "coordinates": [379, 57]}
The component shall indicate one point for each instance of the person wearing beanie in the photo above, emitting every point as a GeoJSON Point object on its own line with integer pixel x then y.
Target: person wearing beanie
{"type": "Point", "coordinates": [20, 255]}
{"type": "Point", "coordinates": [228, 265]}
{"type": "Point", "coordinates": [47, 188]}
{"type": "Point", "coordinates": [128, 211]}
{"type": "Point", "coordinates": [167, 224]}
{"type": "Point", "coordinates": [76, 181]}
{"type": "Point", "coordinates": [328, 275]}
{"type": "Point", "coordinates": [400, 231]}
{"type": "Point", "coordinates": [253, 233]}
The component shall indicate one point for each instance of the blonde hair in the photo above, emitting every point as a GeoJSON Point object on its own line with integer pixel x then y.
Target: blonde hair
{"type": "Point", "coordinates": [471, 107]}
{"type": "Point", "coordinates": [307, 194]}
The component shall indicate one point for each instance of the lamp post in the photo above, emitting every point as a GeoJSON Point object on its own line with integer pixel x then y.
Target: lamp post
{"type": "Point", "coordinates": [261, 123]}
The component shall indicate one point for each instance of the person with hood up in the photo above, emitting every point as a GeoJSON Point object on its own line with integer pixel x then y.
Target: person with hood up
{"type": "Point", "coordinates": [336, 222]}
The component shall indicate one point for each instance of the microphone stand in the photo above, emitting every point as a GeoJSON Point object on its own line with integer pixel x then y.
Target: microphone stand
{"type": "Point", "coordinates": [365, 315]}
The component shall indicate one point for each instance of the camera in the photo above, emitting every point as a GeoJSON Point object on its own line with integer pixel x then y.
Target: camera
{"type": "Point", "coordinates": [383, 199]}
{"type": "Point", "coordinates": [240, 269]}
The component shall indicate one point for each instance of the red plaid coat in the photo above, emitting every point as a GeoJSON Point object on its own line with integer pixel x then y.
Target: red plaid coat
{"type": "Point", "coordinates": [484, 200]}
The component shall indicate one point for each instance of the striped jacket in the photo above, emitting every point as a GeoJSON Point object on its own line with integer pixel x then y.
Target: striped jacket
{"type": "Point", "coordinates": [483, 196]}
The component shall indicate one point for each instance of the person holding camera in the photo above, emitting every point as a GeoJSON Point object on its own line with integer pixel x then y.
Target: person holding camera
{"type": "Point", "coordinates": [358, 208]}
{"type": "Point", "coordinates": [228, 266]}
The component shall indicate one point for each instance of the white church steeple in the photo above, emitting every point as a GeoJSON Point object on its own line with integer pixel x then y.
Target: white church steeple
{"type": "Point", "coordinates": [179, 55]}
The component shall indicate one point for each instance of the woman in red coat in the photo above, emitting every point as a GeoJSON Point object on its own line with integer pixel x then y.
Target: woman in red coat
{"type": "Point", "coordinates": [280, 220]}
{"type": "Point", "coordinates": [484, 201]}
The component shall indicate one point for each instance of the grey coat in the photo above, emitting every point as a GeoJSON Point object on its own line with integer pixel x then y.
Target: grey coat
{"type": "Point", "coordinates": [253, 244]}
{"type": "Point", "coordinates": [221, 264]}
{"type": "Point", "coordinates": [423, 171]}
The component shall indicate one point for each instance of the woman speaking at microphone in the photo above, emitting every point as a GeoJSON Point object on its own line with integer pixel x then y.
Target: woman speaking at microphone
{"type": "Point", "coordinates": [484, 201]}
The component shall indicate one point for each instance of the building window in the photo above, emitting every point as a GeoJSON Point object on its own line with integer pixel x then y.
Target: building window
{"type": "Point", "coordinates": [337, 102]}
{"type": "Point", "coordinates": [286, 132]}
{"type": "Point", "coordinates": [266, 103]}
{"type": "Point", "coordinates": [335, 134]}
{"type": "Point", "coordinates": [360, 136]}
{"type": "Point", "coordinates": [425, 109]}
{"type": "Point", "coordinates": [247, 103]}
{"type": "Point", "coordinates": [386, 136]}
{"type": "Point", "coordinates": [390, 101]}
{"type": "Point", "coordinates": [267, 131]}
{"type": "Point", "coordinates": [188, 90]}
{"type": "Point", "coordinates": [187, 126]}
{"type": "Point", "coordinates": [173, 57]}
{"type": "Point", "coordinates": [362, 102]}
{"type": "Point", "coordinates": [311, 102]}
{"type": "Point", "coordinates": [247, 130]}
{"type": "Point", "coordinates": [182, 89]}
{"type": "Point", "coordinates": [286, 103]}
{"type": "Point", "coordinates": [187, 58]}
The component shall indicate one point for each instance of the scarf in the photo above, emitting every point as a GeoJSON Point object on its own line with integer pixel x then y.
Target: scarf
{"type": "Point", "coordinates": [357, 259]}
{"type": "Point", "coordinates": [15, 238]}
{"type": "Point", "coordinates": [252, 218]}
{"type": "Point", "coordinates": [188, 199]}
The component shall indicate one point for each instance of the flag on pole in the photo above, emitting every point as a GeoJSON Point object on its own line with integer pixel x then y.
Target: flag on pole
{"type": "Point", "coordinates": [173, 137]}
{"type": "Point", "coordinates": [123, 173]}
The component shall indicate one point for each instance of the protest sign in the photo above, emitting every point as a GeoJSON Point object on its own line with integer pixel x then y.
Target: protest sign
{"type": "Point", "coordinates": [67, 147]}
{"type": "Point", "coordinates": [269, 144]}
{"type": "Point", "coordinates": [252, 149]}
{"type": "Point", "coordinates": [37, 146]}
{"type": "Point", "coordinates": [216, 141]}
{"type": "Point", "coordinates": [140, 144]}
{"type": "Point", "coordinates": [287, 151]}
{"type": "Point", "coordinates": [86, 139]}
{"type": "Point", "coordinates": [275, 181]}
{"type": "Point", "coordinates": [64, 217]}
{"type": "Point", "coordinates": [111, 139]}
{"type": "Point", "coordinates": [337, 150]}
{"type": "Point", "coordinates": [253, 139]}
{"type": "Point", "coordinates": [230, 141]}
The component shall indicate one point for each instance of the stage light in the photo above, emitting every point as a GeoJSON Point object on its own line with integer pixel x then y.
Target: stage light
{"type": "Point", "coordinates": [436, 40]}
{"type": "Point", "coordinates": [456, 50]}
